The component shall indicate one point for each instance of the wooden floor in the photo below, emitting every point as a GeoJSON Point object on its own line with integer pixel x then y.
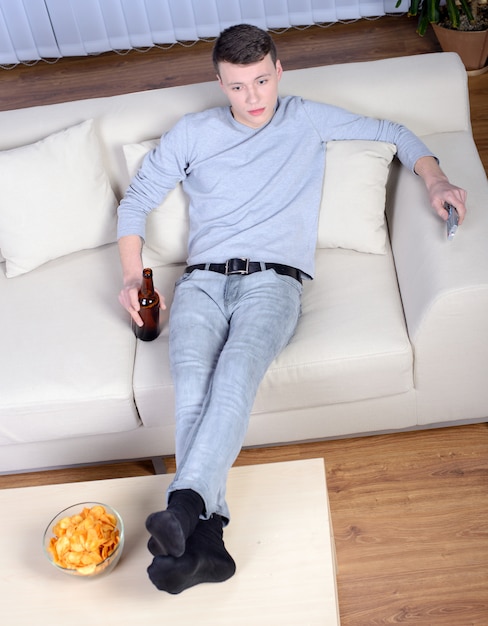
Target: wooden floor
{"type": "Point", "coordinates": [409, 510]}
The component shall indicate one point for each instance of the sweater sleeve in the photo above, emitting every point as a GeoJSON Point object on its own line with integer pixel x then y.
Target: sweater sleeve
{"type": "Point", "coordinates": [161, 170]}
{"type": "Point", "coordinates": [336, 124]}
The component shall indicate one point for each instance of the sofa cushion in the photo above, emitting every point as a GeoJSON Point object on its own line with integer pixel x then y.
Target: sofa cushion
{"type": "Point", "coordinates": [56, 199]}
{"type": "Point", "coordinates": [67, 356]}
{"type": "Point", "coordinates": [352, 213]}
{"type": "Point", "coordinates": [351, 343]}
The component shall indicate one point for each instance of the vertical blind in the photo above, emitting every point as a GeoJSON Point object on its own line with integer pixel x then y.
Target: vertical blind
{"type": "Point", "coordinates": [31, 30]}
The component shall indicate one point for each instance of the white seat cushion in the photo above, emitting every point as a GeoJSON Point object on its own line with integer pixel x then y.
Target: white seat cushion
{"type": "Point", "coordinates": [351, 343]}
{"type": "Point", "coordinates": [66, 365]}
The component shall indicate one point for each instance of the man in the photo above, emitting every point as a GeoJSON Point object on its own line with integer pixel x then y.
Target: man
{"type": "Point", "coordinates": [253, 172]}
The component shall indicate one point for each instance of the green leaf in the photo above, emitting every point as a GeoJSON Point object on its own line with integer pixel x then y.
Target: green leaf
{"type": "Point", "coordinates": [453, 13]}
{"type": "Point", "coordinates": [422, 25]}
{"type": "Point", "coordinates": [414, 7]}
{"type": "Point", "coordinates": [432, 10]}
{"type": "Point", "coordinates": [466, 6]}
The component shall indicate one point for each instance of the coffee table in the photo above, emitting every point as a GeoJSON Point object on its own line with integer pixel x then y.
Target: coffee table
{"type": "Point", "coordinates": [280, 537]}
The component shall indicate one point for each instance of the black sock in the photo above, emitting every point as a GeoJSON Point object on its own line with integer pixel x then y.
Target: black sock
{"type": "Point", "coordinates": [205, 560]}
{"type": "Point", "coordinates": [171, 528]}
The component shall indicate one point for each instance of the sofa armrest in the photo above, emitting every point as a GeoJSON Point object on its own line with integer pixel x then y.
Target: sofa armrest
{"type": "Point", "coordinates": [444, 285]}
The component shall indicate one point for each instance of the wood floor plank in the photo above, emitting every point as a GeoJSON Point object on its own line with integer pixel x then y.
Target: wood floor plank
{"type": "Point", "coordinates": [478, 93]}
{"type": "Point", "coordinates": [452, 597]}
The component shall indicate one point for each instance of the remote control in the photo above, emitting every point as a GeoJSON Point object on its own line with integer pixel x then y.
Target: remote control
{"type": "Point", "coordinates": [452, 220]}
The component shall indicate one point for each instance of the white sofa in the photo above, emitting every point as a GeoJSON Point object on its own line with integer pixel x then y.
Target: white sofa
{"type": "Point", "coordinates": [387, 341]}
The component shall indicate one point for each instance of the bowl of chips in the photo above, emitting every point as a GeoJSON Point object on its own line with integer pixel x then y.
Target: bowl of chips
{"type": "Point", "coordinates": [85, 539]}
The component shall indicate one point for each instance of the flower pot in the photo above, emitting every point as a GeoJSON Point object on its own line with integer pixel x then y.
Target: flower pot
{"type": "Point", "coordinates": [472, 46]}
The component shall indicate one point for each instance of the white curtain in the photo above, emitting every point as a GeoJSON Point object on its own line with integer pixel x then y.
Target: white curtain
{"type": "Point", "coordinates": [48, 29]}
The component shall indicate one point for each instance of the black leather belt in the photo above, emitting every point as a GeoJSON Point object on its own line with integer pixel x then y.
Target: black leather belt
{"type": "Point", "coordinates": [245, 266]}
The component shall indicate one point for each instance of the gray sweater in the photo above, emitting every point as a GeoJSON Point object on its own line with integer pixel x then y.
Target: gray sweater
{"type": "Point", "coordinates": [254, 193]}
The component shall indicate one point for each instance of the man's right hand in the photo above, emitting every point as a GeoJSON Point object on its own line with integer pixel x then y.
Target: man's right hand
{"type": "Point", "coordinates": [130, 248]}
{"type": "Point", "coordinates": [129, 299]}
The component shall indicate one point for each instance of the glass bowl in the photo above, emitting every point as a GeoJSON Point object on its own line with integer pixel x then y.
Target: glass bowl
{"type": "Point", "coordinates": [85, 539]}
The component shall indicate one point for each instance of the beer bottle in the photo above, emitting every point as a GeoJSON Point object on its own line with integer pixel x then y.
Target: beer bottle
{"type": "Point", "coordinates": [149, 311]}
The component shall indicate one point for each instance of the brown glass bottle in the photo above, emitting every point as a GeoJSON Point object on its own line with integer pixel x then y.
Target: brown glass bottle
{"type": "Point", "coordinates": [149, 311]}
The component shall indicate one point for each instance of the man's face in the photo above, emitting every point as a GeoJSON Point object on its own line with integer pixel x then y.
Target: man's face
{"type": "Point", "coordinates": [252, 90]}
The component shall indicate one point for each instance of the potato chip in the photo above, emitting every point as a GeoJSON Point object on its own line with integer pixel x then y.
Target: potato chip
{"type": "Point", "coordinates": [84, 540]}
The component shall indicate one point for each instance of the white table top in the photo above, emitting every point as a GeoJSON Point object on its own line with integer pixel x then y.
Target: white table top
{"type": "Point", "coordinates": [279, 536]}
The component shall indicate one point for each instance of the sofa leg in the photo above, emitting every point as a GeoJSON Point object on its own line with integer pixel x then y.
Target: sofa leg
{"type": "Point", "coordinates": [159, 465]}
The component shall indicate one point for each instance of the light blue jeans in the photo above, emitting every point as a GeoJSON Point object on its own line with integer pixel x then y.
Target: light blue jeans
{"type": "Point", "coordinates": [224, 333]}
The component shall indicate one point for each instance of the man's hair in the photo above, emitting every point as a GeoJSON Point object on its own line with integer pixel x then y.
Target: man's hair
{"type": "Point", "coordinates": [243, 44]}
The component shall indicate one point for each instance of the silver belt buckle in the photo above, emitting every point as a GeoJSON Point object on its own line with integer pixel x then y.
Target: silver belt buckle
{"type": "Point", "coordinates": [229, 272]}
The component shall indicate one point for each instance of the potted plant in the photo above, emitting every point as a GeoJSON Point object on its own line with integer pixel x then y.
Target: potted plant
{"type": "Point", "coordinates": [460, 26]}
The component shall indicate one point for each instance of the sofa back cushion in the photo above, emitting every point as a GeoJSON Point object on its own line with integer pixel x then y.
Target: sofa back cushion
{"type": "Point", "coordinates": [56, 199]}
